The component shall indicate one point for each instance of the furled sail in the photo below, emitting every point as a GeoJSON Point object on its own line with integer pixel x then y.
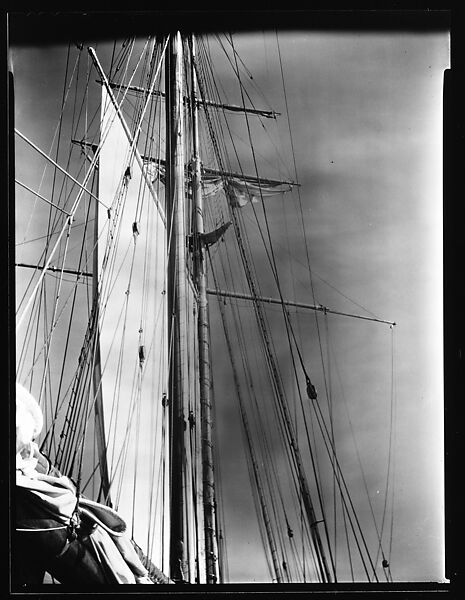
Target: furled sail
{"type": "Point", "coordinates": [240, 191]}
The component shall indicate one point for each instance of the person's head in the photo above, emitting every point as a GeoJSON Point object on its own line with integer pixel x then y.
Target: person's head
{"type": "Point", "coordinates": [29, 419]}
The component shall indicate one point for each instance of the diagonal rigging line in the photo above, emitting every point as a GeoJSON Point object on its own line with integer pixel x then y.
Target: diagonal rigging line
{"type": "Point", "coordinates": [270, 252]}
{"type": "Point", "coordinates": [258, 314]}
{"type": "Point", "coordinates": [302, 218]}
{"type": "Point", "coordinates": [390, 460]}
{"type": "Point", "coordinates": [26, 187]}
{"type": "Point", "coordinates": [295, 259]}
{"type": "Point", "coordinates": [251, 455]}
{"type": "Point", "coordinates": [335, 462]}
{"type": "Point", "coordinates": [273, 262]}
{"type": "Point", "coordinates": [55, 164]}
{"type": "Point", "coordinates": [132, 139]}
{"type": "Point", "coordinates": [266, 460]}
{"type": "Point", "coordinates": [281, 160]}
{"type": "Point", "coordinates": [82, 251]}
{"type": "Point", "coordinates": [68, 337]}
{"type": "Point", "coordinates": [59, 124]}
{"type": "Point", "coordinates": [278, 287]}
{"type": "Point", "coordinates": [378, 532]}
{"type": "Point", "coordinates": [270, 361]}
{"type": "Point", "coordinates": [52, 253]}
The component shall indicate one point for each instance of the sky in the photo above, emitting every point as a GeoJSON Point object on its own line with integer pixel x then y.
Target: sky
{"type": "Point", "coordinates": [366, 117]}
{"type": "Point", "coordinates": [366, 121]}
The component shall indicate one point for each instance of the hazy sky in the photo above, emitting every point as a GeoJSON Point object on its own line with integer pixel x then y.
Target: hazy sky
{"type": "Point", "coordinates": [366, 118]}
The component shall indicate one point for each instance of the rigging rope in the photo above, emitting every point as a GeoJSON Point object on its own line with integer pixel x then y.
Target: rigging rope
{"type": "Point", "coordinates": [270, 361]}
{"type": "Point", "coordinates": [271, 255]}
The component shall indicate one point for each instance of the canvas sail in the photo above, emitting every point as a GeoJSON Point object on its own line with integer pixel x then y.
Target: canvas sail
{"type": "Point", "coordinates": [134, 347]}
{"type": "Point", "coordinates": [133, 338]}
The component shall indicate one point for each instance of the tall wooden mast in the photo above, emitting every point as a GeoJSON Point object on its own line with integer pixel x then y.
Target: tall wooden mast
{"type": "Point", "coordinates": [176, 290]}
{"type": "Point", "coordinates": [208, 480]}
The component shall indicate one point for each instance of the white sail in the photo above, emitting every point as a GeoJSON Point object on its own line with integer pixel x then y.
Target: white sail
{"type": "Point", "coordinates": [133, 337]}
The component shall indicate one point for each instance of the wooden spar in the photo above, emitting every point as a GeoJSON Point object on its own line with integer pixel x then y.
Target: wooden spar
{"type": "Point", "coordinates": [319, 307]}
{"type": "Point", "coordinates": [54, 269]}
{"type": "Point", "coordinates": [269, 114]}
{"type": "Point", "coordinates": [226, 174]}
{"type": "Point", "coordinates": [176, 298]}
{"type": "Point", "coordinates": [209, 171]}
{"type": "Point", "coordinates": [208, 478]}
{"type": "Point", "coordinates": [240, 296]}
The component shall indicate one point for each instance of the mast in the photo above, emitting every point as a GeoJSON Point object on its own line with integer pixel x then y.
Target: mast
{"type": "Point", "coordinates": [208, 480]}
{"type": "Point", "coordinates": [176, 290]}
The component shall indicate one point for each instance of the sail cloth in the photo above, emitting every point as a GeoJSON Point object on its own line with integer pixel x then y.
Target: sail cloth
{"type": "Point", "coordinates": [239, 191]}
{"type": "Point", "coordinates": [58, 499]}
{"type": "Point", "coordinates": [133, 337]}
{"type": "Point", "coordinates": [134, 355]}
{"type": "Point", "coordinates": [57, 492]}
